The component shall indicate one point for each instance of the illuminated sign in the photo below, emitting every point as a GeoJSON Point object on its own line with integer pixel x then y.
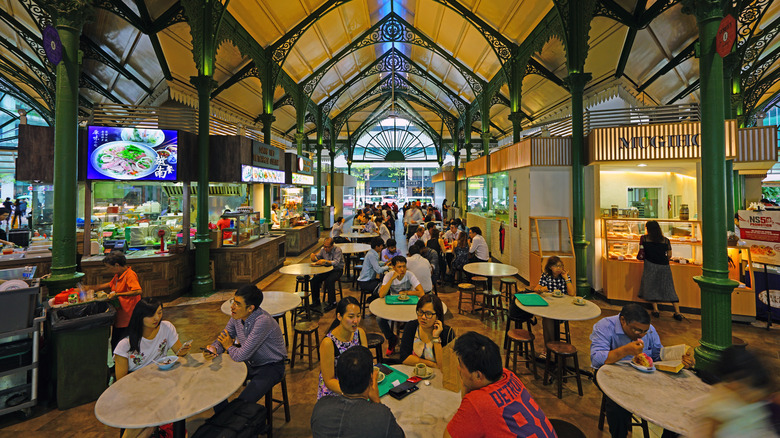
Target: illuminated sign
{"type": "Point", "coordinates": [131, 154]}
{"type": "Point", "coordinates": [258, 174]}
{"type": "Point", "coordinates": [297, 178]}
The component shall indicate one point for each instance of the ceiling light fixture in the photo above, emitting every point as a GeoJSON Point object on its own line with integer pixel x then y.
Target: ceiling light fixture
{"type": "Point", "coordinates": [641, 165]}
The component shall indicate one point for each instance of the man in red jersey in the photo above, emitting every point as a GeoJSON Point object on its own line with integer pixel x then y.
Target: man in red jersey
{"type": "Point", "coordinates": [495, 404]}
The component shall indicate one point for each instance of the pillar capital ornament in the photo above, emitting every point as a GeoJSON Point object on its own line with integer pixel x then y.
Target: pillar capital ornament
{"type": "Point", "coordinates": [485, 136]}
{"type": "Point", "coordinates": [703, 10]}
{"type": "Point", "coordinates": [516, 117]}
{"type": "Point", "coordinates": [70, 13]}
{"type": "Point", "coordinates": [206, 82]}
{"type": "Point", "coordinates": [299, 136]}
{"type": "Point", "coordinates": [576, 81]}
{"type": "Point", "coordinates": [266, 118]}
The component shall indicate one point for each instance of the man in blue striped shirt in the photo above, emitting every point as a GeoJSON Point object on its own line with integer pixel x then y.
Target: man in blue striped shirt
{"type": "Point", "coordinates": [254, 337]}
{"type": "Point", "coordinates": [373, 268]}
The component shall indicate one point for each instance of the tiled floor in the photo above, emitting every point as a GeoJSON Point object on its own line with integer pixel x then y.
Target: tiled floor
{"type": "Point", "coordinates": [201, 319]}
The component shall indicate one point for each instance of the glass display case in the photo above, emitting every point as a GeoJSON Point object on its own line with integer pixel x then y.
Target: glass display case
{"type": "Point", "coordinates": [477, 200]}
{"type": "Point", "coordinates": [244, 228]}
{"type": "Point", "coordinates": [499, 189]}
{"type": "Point", "coordinates": [621, 238]}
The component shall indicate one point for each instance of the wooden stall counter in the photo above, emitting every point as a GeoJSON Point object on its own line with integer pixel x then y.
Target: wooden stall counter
{"type": "Point", "coordinates": [622, 279]}
{"type": "Point", "coordinates": [160, 275]}
{"type": "Point", "coordinates": [42, 264]}
{"type": "Point", "coordinates": [239, 265]}
{"type": "Point", "coordinates": [299, 239]}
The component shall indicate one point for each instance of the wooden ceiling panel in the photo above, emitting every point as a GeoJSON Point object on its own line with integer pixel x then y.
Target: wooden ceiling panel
{"type": "Point", "coordinates": [143, 62]}
{"type": "Point", "coordinates": [527, 16]}
{"type": "Point", "coordinates": [176, 44]}
{"type": "Point", "coordinates": [539, 94]}
{"type": "Point", "coordinates": [127, 91]}
{"type": "Point", "coordinates": [246, 95]}
{"type": "Point", "coordinates": [279, 92]}
{"type": "Point", "coordinates": [664, 90]}
{"type": "Point", "coordinates": [605, 36]}
{"type": "Point", "coordinates": [646, 57]}
{"type": "Point", "coordinates": [157, 7]}
{"type": "Point", "coordinates": [255, 17]}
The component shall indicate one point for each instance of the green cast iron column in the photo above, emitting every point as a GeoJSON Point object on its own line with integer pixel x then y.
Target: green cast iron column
{"type": "Point", "coordinates": [299, 142]}
{"type": "Point", "coordinates": [319, 185]}
{"type": "Point", "coordinates": [63, 267]}
{"type": "Point", "coordinates": [577, 82]}
{"type": "Point", "coordinates": [202, 284]}
{"type": "Point", "coordinates": [332, 179]}
{"type": "Point", "coordinates": [729, 64]}
{"type": "Point", "coordinates": [716, 287]}
{"type": "Point", "coordinates": [516, 118]}
{"type": "Point", "coordinates": [739, 202]}
{"type": "Point", "coordinates": [456, 155]}
{"type": "Point", "coordinates": [268, 120]}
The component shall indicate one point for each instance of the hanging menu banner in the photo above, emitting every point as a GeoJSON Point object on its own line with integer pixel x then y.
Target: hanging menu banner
{"type": "Point", "coordinates": [761, 231]}
{"type": "Point", "coordinates": [267, 156]}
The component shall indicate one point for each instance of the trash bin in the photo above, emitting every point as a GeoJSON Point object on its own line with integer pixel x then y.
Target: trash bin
{"type": "Point", "coordinates": [80, 336]}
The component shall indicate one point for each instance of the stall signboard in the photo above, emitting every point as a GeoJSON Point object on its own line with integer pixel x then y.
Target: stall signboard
{"type": "Point", "coordinates": [297, 178]}
{"type": "Point", "coordinates": [761, 232]}
{"type": "Point", "coordinates": [133, 154]}
{"type": "Point", "coordinates": [266, 156]}
{"type": "Point", "coordinates": [259, 174]}
{"type": "Point", "coordinates": [304, 166]}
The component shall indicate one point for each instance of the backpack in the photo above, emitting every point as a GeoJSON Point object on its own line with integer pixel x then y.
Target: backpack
{"type": "Point", "coordinates": [239, 419]}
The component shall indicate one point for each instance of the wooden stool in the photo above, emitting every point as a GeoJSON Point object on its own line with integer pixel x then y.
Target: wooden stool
{"type": "Point", "coordinates": [738, 342]}
{"type": "Point", "coordinates": [375, 341]}
{"type": "Point", "coordinates": [491, 301]}
{"type": "Point", "coordinates": [283, 318]}
{"type": "Point", "coordinates": [564, 334]}
{"type": "Point", "coordinates": [467, 294]}
{"type": "Point", "coordinates": [564, 429]}
{"type": "Point", "coordinates": [339, 292]}
{"type": "Point", "coordinates": [562, 351]}
{"type": "Point", "coordinates": [270, 408]}
{"type": "Point", "coordinates": [634, 420]}
{"type": "Point", "coordinates": [508, 286]}
{"type": "Point", "coordinates": [480, 281]}
{"type": "Point", "coordinates": [307, 328]}
{"type": "Point", "coordinates": [300, 280]}
{"type": "Point", "coordinates": [364, 295]}
{"type": "Point", "coordinates": [355, 274]}
{"type": "Point", "coordinates": [521, 342]}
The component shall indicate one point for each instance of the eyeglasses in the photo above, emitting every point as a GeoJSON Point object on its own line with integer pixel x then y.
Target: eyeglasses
{"type": "Point", "coordinates": [637, 331]}
{"type": "Point", "coordinates": [428, 315]}
{"type": "Point", "coordinates": [238, 304]}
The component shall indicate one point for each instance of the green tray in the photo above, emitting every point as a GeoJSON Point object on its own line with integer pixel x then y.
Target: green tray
{"type": "Point", "coordinates": [531, 300]}
{"type": "Point", "coordinates": [393, 299]}
{"type": "Point", "coordinates": [386, 384]}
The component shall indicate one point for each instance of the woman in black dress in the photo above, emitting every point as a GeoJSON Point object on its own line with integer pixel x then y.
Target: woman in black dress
{"type": "Point", "coordinates": [657, 285]}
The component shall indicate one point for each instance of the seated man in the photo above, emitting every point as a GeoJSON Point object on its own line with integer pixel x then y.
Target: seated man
{"type": "Point", "coordinates": [427, 234]}
{"type": "Point", "coordinates": [495, 402]}
{"type": "Point", "coordinates": [390, 251]}
{"type": "Point", "coordinates": [357, 412]}
{"type": "Point", "coordinates": [373, 267]}
{"type": "Point", "coordinates": [397, 280]}
{"type": "Point", "coordinates": [329, 255]}
{"type": "Point", "coordinates": [478, 248]}
{"type": "Point", "coordinates": [254, 337]}
{"type": "Point", "coordinates": [420, 267]}
{"type": "Point", "coordinates": [416, 236]}
{"type": "Point", "coordinates": [621, 337]}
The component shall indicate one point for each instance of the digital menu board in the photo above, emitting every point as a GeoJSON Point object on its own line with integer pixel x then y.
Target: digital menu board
{"type": "Point", "coordinates": [297, 178]}
{"type": "Point", "coordinates": [131, 154]}
{"type": "Point", "coordinates": [259, 174]}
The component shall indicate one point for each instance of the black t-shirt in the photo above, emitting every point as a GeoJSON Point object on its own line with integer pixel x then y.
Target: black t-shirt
{"type": "Point", "coordinates": [410, 331]}
{"type": "Point", "coordinates": [655, 252]}
{"type": "Point", "coordinates": [337, 416]}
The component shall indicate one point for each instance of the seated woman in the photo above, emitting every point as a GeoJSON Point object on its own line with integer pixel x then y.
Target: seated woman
{"type": "Point", "coordinates": [460, 254]}
{"type": "Point", "coordinates": [149, 339]}
{"type": "Point", "coordinates": [343, 334]}
{"type": "Point", "coordinates": [555, 277]}
{"type": "Point", "coordinates": [424, 338]}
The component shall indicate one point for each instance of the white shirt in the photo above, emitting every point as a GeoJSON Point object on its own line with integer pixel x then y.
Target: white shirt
{"type": "Point", "coordinates": [422, 269]}
{"type": "Point", "coordinates": [414, 216]}
{"type": "Point", "coordinates": [450, 236]}
{"type": "Point", "coordinates": [151, 349]}
{"type": "Point", "coordinates": [426, 236]}
{"type": "Point", "coordinates": [384, 233]}
{"type": "Point", "coordinates": [336, 230]}
{"type": "Point", "coordinates": [274, 219]}
{"type": "Point", "coordinates": [407, 282]}
{"type": "Point", "coordinates": [413, 239]}
{"type": "Point", "coordinates": [479, 248]}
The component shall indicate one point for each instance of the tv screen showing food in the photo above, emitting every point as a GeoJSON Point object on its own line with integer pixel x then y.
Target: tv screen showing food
{"type": "Point", "coordinates": [132, 154]}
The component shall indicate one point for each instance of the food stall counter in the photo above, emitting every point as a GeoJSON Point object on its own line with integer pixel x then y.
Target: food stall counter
{"type": "Point", "coordinates": [160, 275]}
{"type": "Point", "coordinates": [236, 266]}
{"type": "Point", "coordinates": [300, 238]}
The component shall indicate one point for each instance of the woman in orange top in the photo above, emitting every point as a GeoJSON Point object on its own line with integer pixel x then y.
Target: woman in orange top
{"type": "Point", "coordinates": [125, 287]}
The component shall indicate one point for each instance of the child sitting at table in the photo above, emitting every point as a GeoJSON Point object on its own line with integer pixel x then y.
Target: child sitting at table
{"type": "Point", "coordinates": [148, 339]}
{"type": "Point", "coordinates": [554, 278]}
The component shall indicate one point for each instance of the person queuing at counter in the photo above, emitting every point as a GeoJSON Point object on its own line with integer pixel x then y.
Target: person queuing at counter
{"type": "Point", "coordinates": [495, 402]}
{"type": "Point", "coordinates": [420, 267]}
{"type": "Point", "coordinates": [148, 340]}
{"type": "Point", "coordinates": [478, 248]}
{"type": "Point", "coordinates": [445, 208]}
{"type": "Point", "coordinates": [382, 229]}
{"type": "Point", "coordinates": [412, 219]}
{"type": "Point", "coordinates": [357, 411]}
{"type": "Point", "coordinates": [4, 213]}
{"type": "Point", "coordinates": [621, 337]}
{"type": "Point", "coordinates": [337, 230]}
{"type": "Point", "coordinates": [125, 286]}
{"type": "Point", "coordinates": [391, 250]}
{"type": "Point", "coordinates": [554, 278]}
{"type": "Point", "coordinates": [251, 336]}
{"type": "Point", "coordinates": [424, 338]}
{"type": "Point", "coordinates": [343, 333]}
{"type": "Point", "coordinates": [657, 285]}
{"type": "Point", "coordinates": [416, 236]}
{"type": "Point", "coordinates": [373, 267]}
{"type": "Point", "coordinates": [329, 255]}
{"type": "Point", "coordinates": [397, 281]}
{"type": "Point", "coordinates": [275, 216]}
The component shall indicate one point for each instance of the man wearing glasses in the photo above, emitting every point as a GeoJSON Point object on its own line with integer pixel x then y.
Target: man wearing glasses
{"type": "Point", "coordinates": [329, 255]}
{"type": "Point", "coordinates": [252, 336]}
{"type": "Point", "coordinates": [621, 337]}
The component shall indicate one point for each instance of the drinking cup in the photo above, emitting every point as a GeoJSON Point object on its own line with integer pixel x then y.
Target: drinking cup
{"type": "Point", "coordinates": [421, 370]}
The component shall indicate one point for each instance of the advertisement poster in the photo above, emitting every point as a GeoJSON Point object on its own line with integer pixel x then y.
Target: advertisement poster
{"type": "Point", "coordinates": [761, 231]}
{"type": "Point", "coordinates": [131, 154]}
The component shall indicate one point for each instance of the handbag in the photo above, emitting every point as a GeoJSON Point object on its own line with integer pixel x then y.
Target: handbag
{"type": "Point", "coordinates": [641, 254]}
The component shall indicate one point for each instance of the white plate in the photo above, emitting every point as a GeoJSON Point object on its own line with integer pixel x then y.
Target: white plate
{"type": "Point", "coordinates": [643, 369]}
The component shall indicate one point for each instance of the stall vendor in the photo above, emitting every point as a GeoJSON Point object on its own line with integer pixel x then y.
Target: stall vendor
{"type": "Point", "coordinates": [275, 216]}
{"type": "Point", "coordinates": [224, 222]}
{"type": "Point", "coordinates": [4, 213]}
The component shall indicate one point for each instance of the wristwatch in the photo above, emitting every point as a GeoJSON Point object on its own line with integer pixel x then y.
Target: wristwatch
{"type": "Point", "coordinates": [436, 341]}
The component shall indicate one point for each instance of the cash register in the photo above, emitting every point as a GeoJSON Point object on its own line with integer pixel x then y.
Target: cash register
{"type": "Point", "coordinates": [114, 244]}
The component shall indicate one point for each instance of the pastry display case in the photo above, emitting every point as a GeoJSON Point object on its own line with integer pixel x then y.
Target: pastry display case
{"type": "Point", "coordinates": [621, 239]}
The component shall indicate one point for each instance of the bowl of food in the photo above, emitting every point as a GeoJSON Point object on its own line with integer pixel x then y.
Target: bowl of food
{"type": "Point", "coordinates": [379, 377]}
{"type": "Point", "coordinates": [166, 362]}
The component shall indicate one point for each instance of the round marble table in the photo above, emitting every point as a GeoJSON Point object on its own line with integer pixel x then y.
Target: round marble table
{"type": "Point", "coordinates": [669, 394]}
{"type": "Point", "coordinates": [275, 303]}
{"type": "Point", "coordinates": [152, 397]}
{"type": "Point", "coordinates": [307, 270]}
{"type": "Point", "coordinates": [439, 407]}
{"type": "Point", "coordinates": [562, 309]}
{"type": "Point", "coordinates": [395, 312]}
{"type": "Point", "coordinates": [353, 248]}
{"type": "Point", "coordinates": [490, 270]}
{"type": "Point", "coordinates": [359, 235]}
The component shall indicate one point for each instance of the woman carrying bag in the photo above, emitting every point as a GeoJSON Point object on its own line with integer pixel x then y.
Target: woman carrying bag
{"type": "Point", "coordinates": [657, 285]}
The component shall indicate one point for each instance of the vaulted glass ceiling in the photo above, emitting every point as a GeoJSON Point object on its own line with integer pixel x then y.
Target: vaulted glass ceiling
{"type": "Point", "coordinates": [394, 139]}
